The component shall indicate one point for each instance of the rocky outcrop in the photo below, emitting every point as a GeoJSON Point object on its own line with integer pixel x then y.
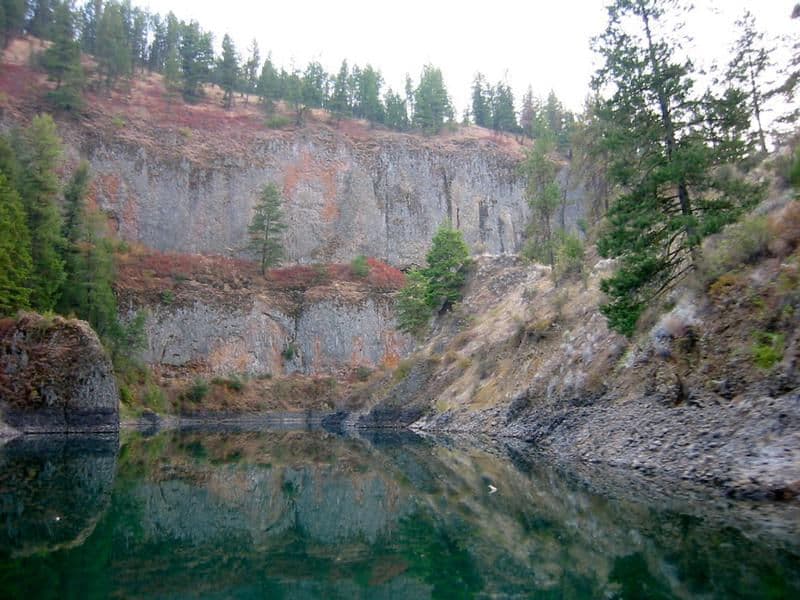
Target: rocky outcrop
{"type": "Point", "coordinates": [343, 197]}
{"type": "Point", "coordinates": [55, 377]}
{"type": "Point", "coordinates": [325, 331]}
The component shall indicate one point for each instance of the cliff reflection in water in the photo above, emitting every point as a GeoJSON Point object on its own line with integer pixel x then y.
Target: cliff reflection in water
{"type": "Point", "coordinates": [313, 515]}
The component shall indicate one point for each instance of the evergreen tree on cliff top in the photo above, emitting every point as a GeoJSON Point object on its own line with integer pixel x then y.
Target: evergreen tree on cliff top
{"type": "Point", "coordinates": [266, 228]}
{"type": "Point", "coordinates": [666, 144]}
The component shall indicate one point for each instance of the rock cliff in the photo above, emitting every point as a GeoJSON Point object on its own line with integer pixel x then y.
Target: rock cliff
{"type": "Point", "coordinates": [343, 196]}
{"type": "Point", "coordinates": [55, 377]}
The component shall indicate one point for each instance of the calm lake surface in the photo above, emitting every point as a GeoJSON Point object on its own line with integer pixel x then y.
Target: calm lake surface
{"type": "Point", "coordinates": [310, 514]}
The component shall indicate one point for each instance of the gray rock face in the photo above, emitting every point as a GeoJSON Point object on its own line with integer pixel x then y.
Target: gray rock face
{"type": "Point", "coordinates": [55, 377]}
{"type": "Point", "coordinates": [344, 197]}
{"type": "Point", "coordinates": [326, 335]}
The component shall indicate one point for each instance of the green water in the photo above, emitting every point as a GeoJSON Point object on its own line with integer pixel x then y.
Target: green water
{"type": "Point", "coordinates": [299, 514]}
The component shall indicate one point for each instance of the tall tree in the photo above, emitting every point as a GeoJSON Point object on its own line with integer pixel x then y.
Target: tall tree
{"type": "Point", "coordinates": [340, 103]}
{"type": "Point", "coordinates": [664, 153]}
{"type": "Point", "coordinates": [15, 251]}
{"type": "Point", "coordinates": [113, 47]}
{"type": "Point", "coordinates": [481, 102]}
{"type": "Point", "coordinates": [62, 60]}
{"type": "Point", "coordinates": [543, 195]}
{"type": "Point", "coordinates": [527, 114]}
{"type": "Point", "coordinates": [40, 154]}
{"type": "Point", "coordinates": [197, 56]}
{"type": "Point", "coordinates": [269, 84]}
{"type": "Point", "coordinates": [41, 17]}
{"type": "Point", "coordinates": [504, 116]}
{"type": "Point", "coordinates": [251, 70]}
{"type": "Point", "coordinates": [748, 67]}
{"type": "Point", "coordinates": [448, 260]}
{"type": "Point", "coordinates": [788, 89]}
{"type": "Point", "coordinates": [315, 85]}
{"type": "Point", "coordinates": [432, 107]}
{"type": "Point", "coordinates": [12, 19]}
{"type": "Point", "coordinates": [266, 228]}
{"type": "Point", "coordinates": [228, 70]}
{"type": "Point", "coordinates": [396, 113]}
{"type": "Point", "coordinates": [368, 101]}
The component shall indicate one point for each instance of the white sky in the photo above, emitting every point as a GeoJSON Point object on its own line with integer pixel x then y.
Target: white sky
{"type": "Point", "coordinates": [544, 43]}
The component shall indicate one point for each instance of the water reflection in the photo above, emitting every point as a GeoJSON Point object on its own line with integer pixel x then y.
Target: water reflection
{"type": "Point", "coordinates": [297, 514]}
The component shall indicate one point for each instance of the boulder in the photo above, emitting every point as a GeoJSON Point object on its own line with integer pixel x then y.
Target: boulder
{"type": "Point", "coordinates": [55, 377]}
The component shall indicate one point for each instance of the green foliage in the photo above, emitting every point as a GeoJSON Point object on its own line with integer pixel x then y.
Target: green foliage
{"type": "Point", "coordinates": [167, 297]}
{"type": "Point", "coordinates": [747, 70]}
{"type": "Point", "coordinates": [665, 145]}
{"type": "Point", "coordinates": [39, 155]}
{"type": "Point", "coordinates": [436, 287]}
{"type": "Point", "coordinates": [266, 228]}
{"type": "Point", "coordinates": [278, 122]}
{"type": "Point", "coordinates": [232, 383]}
{"type": "Point", "coordinates": [413, 311]}
{"type": "Point", "coordinates": [570, 254]}
{"type": "Point", "coordinates": [228, 70]}
{"type": "Point", "coordinates": [363, 373]}
{"type": "Point", "coordinates": [15, 251]}
{"type": "Point", "coordinates": [794, 169]}
{"type": "Point", "coordinates": [359, 266]}
{"type": "Point", "coordinates": [197, 391]}
{"type": "Point", "coordinates": [197, 56]}
{"type": "Point", "coordinates": [448, 261]}
{"type": "Point", "coordinates": [543, 195]}
{"type": "Point", "coordinates": [768, 349]}
{"type": "Point", "coordinates": [113, 48]}
{"type": "Point", "coordinates": [289, 352]}
{"type": "Point", "coordinates": [432, 105]}
{"type": "Point", "coordinates": [738, 244]}
{"type": "Point", "coordinates": [62, 60]}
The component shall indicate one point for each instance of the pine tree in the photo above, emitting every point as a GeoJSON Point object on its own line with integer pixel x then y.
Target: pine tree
{"type": "Point", "coordinates": [543, 195]}
{"type": "Point", "coordinates": [251, 70]}
{"type": "Point", "coordinates": [340, 102]}
{"type": "Point", "coordinates": [396, 113]}
{"type": "Point", "coordinates": [368, 103]}
{"type": "Point", "coordinates": [62, 60]}
{"type": "Point", "coordinates": [12, 19]}
{"type": "Point", "coordinates": [74, 233]}
{"type": "Point", "coordinates": [788, 89]}
{"type": "Point", "coordinates": [504, 117]}
{"type": "Point", "coordinates": [664, 146]}
{"type": "Point", "coordinates": [413, 311]}
{"type": "Point", "coordinates": [266, 228]}
{"type": "Point", "coordinates": [197, 56]}
{"type": "Point", "coordinates": [448, 260]}
{"type": "Point", "coordinates": [481, 107]}
{"type": "Point", "coordinates": [15, 251]}
{"type": "Point", "coordinates": [315, 85]}
{"type": "Point", "coordinates": [269, 87]}
{"type": "Point", "coordinates": [40, 153]}
{"type": "Point", "coordinates": [228, 71]}
{"type": "Point", "coordinates": [748, 67]}
{"type": "Point", "coordinates": [41, 17]}
{"type": "Point", "coordinates": [527, 114]}
{"type": "Point", "coordinates": [113, 48]}
{"type": "Point", "coordinates": [432, 107]}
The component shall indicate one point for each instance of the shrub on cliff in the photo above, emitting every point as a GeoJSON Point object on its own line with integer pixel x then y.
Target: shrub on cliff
{"type": "Point", "coordinates": [438, 286]}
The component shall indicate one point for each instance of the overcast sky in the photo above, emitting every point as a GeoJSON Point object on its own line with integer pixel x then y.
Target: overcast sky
{"type": "Point", "coordinates": [544, 43]}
